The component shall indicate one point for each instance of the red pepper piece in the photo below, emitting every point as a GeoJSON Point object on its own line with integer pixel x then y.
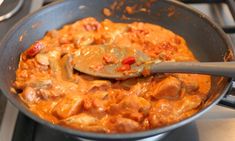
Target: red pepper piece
{"type": "Point", "coordinates": [34, 49]}
{"type": "Point", "coordinates": [128, 60]}
{"type": "Point", "coordinates": [125, 67]}
{"type": "Point", "coordinates": [93, 26]}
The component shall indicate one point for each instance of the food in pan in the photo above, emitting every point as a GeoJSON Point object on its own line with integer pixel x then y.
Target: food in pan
{"type": "Point", "coordinates": [52, 89]}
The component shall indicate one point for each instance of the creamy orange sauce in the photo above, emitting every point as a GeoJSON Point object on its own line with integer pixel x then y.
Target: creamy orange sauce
{"type": "Point", "coordinates": [53, 90]}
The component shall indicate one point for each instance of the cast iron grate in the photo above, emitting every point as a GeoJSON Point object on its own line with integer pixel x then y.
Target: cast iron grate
{"type": "Point", "coordinates": [230, 3]}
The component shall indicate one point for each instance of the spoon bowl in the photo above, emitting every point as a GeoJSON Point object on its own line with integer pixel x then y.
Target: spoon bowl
{"type": "Point", "coordinates": [115, 62]}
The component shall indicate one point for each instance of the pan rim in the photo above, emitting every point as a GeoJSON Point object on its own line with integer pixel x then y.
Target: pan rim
{"type": "Point", "coordinates": [135, 135]}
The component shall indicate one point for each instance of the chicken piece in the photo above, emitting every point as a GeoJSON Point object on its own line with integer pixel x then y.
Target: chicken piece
{"type": "Point", "coordinates": [122, 125]}
{"type": "Point", "coordinates": [94, 105]}
{"type": "Point", "coordinates": [188, 103]}
{"type": "Point", "coordinates": [161, 113]}
{"type": "Point", "coordinates": [134, 115]}
{"type": "Point", "coordinates": [84, 122]}
{"type": "Point", "coordinates": [168, 88]}
{"type": "Point", "coordinates": [165, 111]}
{"type": "Point", "coordinates": [135, 103]}
{"type": "Point", "coordinates": [29, 95]}
{"type": "Point", "coordinates": [65, 87]}
{"type": "Point", "coordinates": [132, 107]}
{"type": "Point", "coordinates": [141, 87]}
{"type": "Point", "coordinates": [38, 92]}
{"type": "Point", "coordinates": [190, 81]}
{"type": "Point", "coordinates": [80, 119]}
{"type": "Point", "coordinates": [136, 86]}
{"type": "Point", "coordinates": [68, 106]}
{"type": "Point", "coordinates": [99, 85]}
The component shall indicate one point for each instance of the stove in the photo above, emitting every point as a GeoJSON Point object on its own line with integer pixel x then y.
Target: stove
{"type": "Point", "coordinates": [217, 124]}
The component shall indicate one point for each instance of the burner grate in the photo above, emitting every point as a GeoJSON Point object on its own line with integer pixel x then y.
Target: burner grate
{"type": "Point", "coordinates": [201, 1]}
{"type": "Point", "coordinates": [230, 3]}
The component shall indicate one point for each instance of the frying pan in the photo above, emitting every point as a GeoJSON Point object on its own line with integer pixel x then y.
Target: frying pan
{"type": "Point", "coordinates": [206, 40]}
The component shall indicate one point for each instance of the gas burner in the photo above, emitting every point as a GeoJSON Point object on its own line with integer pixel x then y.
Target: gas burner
{"type": "Point", "coordinates": [10, 8]}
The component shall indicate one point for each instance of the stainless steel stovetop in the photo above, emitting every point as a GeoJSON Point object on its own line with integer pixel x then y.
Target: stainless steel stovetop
{"type": "Point", "coordinates": [217, 124]}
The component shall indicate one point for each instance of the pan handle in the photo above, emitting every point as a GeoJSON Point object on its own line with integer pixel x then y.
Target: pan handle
{"type": "Point", "coordinates": [229, 99]}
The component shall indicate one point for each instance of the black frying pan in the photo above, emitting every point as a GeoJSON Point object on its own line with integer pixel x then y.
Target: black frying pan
{"type": "Point", "coordinates": [207, 41]}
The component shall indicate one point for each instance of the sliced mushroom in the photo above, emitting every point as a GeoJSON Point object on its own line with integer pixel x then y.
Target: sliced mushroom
{"type": "Point", "coordinates": [54, 57]}
{"type": "Point", "coordinates": [66, 67]}
{"type": "Point", "coordinates": [42, 59]}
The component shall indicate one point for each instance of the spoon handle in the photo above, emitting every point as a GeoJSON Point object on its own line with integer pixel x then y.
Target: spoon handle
{"type": "Point", "coordinates": [212, 68]}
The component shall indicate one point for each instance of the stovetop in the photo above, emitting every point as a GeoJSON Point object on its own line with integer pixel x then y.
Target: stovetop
{"type": "Point", "coordinates": [217, 124]}
{"type": "Point", "coordinates": [4, 26]}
